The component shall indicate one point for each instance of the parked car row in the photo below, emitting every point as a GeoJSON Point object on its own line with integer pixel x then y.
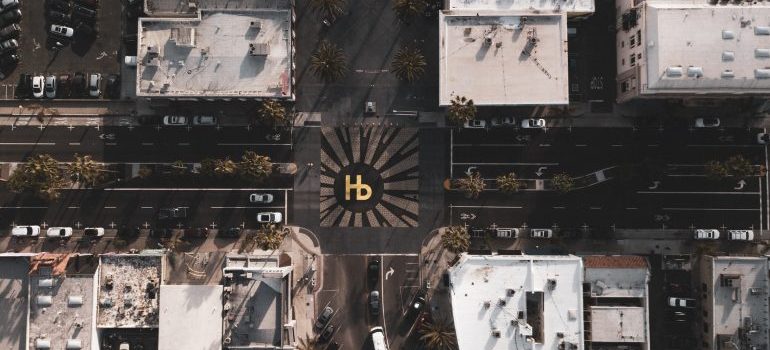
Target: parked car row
{"type": "Point", "coordinates": [54, 232]}
{"type": "Point", "coordinates": [66, 86]}
{"type": "Point", "coordinates": [180, 120]}
{"type": "Point", "coordinates": [66, 18]}
{"type": "Point", "coordinates": [507, 232]}
{"type": "Point", "coordinates": [732, 235]}
{"type": "Point", "coordinates": [501, 122]}
{"type": "Point", "coordinates": [10, 15]}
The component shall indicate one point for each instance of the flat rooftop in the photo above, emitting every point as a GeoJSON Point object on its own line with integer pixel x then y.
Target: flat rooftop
{"type": "Point", "coordinates": [221, 53]}
{"type": "Point", "coordinates": [14, 284]}
{"type": "Point", "coordinates": [517, 302]}
{"type": "Point", "coordinates": [62, 307]}
{"type": "Point", "coordinates": [183, 8]}
{"type": "Point", "coordinates": [616, 276]}
{"type": "Point", "coordinates": [569, 6]}
{"type": "Point", "coordinates": [128, 291]}
{"type": "Point", "coordinates": [697, 47]}
{"type": "Point", "coordinates": [179, 304]}
{"type": "Point", "coordinates": [618, 324]}
{"type": "Point", "coordinates": [740, 295]}
{"type": "Point", "coordinates": [503, 58]}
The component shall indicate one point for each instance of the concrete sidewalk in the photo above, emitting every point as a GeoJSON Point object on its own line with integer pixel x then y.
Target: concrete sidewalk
{"type": "Point", "coordinates": [305, 251]}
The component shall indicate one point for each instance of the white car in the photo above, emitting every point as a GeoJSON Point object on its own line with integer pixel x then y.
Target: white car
{"type": "Point", "coordinates": [269, 217]}
{"type": "Point", "coordinates": [532, 123]}
{"type": "Point", "coordinates": [174, 120]}
{"type": "Point", "coordinates": [93, 232]}
{"type": "Point", "coordinates": [507, 232]}
{"type": "Point", "coordinates": [50, 86]}
{"type": "Point", "coordinates": [763, 138]}
{"type": "Point", "coordinates": [541, 233]}
{"type": "Point", "coordinates": [38, 82]}
{"type": "Point", "coordinates": [204, 120]}
{"type": "Point", "coordinates": [26, 231]}
{"type": "Point", "coordinates": [95, 84]}
{"type": "Point", "coordinates": [475, 124]}
{"type": "Point", "coordinates": [707, 122]}
{"type": "Point", "coordinates": [61, 232]}
{"type": "Point", "coordinates": [706, 234]}
{"type": "Point", "coordinates": [263, 198]}
{"type": "Point", "coordinates": [681, 302]}
{"type": "Point", "coordinates": [62, 31]}
{"type": "Point", "coordinates": [502, 122]}
{"type": "Point", "coordinates": [740, 235]}
{"type": "Point", "coordinates": [6, 5]}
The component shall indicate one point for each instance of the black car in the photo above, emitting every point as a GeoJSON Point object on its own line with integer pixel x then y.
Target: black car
{"type": "Point", "coordinates": [10, 17]}
{"type": "Point", "coordinates": [64, 88]}
{"type": "Point", "coordinates": [373, 270]}
{"type": "Point", "coordinates": [79, 84]}
{"type": "Point", "coordinates": [327, 334]}
{"type": "Point", "coordinates": [374, 302]}
{"type": "Point", "coordinates": [324, 318]}
{"type": "Point", "coordinates": [9, 61]}
{"type": "Point", "coordinates": [24, 86]}
{"type": "Point", "coordinates": [10, 31]}
{"type": "Point", "coordinates": [172, 213]}
{"type": "Point", "coordinates": [83, 12]}
{"type": "Point", "coordinates": [88, 3]}
{"type": "Point", "coordinates": [113, 86]}
{"type": "Point", "coordinates": [58, 17]}
{"type": "Point", "coordinates": [200, 232]}
{"type": "Point", "coordinates": [61, 5]}
{"type": "Point", "coordinates": [233, 232]}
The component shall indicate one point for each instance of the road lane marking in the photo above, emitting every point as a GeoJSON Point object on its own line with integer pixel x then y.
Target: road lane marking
{"type": "Point", "coordinates": [581, 145]}
{"type": "Point", "coordinates": [596, 208]}
{"type": "Point", "coordinates": [145, 207]}
{"type": "Point", "coordinates": [545, 145]}
{"type": "Point", "coordinates": [506, 164]}
{"type": "Point", "coordinates": [485, 206]}
{"type": "Point", "coordinates": [559, 207]}
{"type": "Point", "coordinates": [72, 207]}
{"type": "Point", "coordinates": [632, 208]}
{"type": "Point", "coordinates": [183, 144]}
{"type": "Point", "coordinates": [23, 207]}
{"type": "Point", "coordinates": [653, 145]}
{"type": "Point", "coordinates": [693, 192]}
{"type": "Point", "coordinates": [110, 143]}
{"type": "Point", "coordinates": [490, 145]}
{"type": "Point", "coordinates": [27, 144]}
{"type": "Point", "coordinates": [244, 207]}
{"type": "Point", "coordinates": [147, 143]}
{"type": "Point", "coordinates": [729, 146]}
{"type": "Point", "coordinates": [74, 143]}
{"type": "Point", "coordinates": [617, 145]}
{"type": "Point", "coordinates": [110, 207]}
{"type": "Point", "coordinates": [711, 209]}
{"type": "Point", "coordinates": [195, 189]}
{"type": "Point", "coordinates": [253, 144]}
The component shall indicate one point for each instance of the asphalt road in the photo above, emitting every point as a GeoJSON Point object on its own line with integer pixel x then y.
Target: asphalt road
{"type": "Point", "coordinates": [680, 198]}
{"type": "Point", "coordinates": [146, 144]}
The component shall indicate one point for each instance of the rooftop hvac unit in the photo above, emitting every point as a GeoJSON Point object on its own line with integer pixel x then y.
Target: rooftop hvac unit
{"type": "Point", "coordinates": [487, 304]}
{"type": "Point", "coordinates": [762, 73]}
{"type": "Point", "coordinates": [756, 291]}
{"type": "Point", "coordinates": [259, 49]}
{"type": "Point", "coordinates": [152, 50]}
{"type": "Point", "coordinates": [510, 292]}
{"type": "Point", "coordinates": [551, 284]}
{"type": "Point", "coordinates": [496, 333]}
{"type": "Point", "coordinates": [501, 302]}
{"type": "Point", "coordinates": [255, 25]}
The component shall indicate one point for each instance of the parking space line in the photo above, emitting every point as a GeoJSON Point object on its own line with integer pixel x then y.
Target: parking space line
{"type": "Point", "coordinates": [147, 143]}
{"type": "Point", "coordinates": [145, 207]}
{"type": "Point", "coordinates": [245, 207]}
{"type": "Point", "coordinates": [485, 206]}
{"type": "Point", "coordinates": [253, 144]}
{"type": "Point", "coordinates": [710, 209]}
{"type": "Point", "coordinates": [27, 144]}
{"type": "Point", "coordinates": [22, 207]}
{"type": "Point", "coordinates": [490, 145]}
{"type": "Point", "coordinates": [692, 192]}
{"type": "Point", "coordinates": [506, 164]}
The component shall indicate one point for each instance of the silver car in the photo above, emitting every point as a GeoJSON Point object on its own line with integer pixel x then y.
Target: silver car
{"type": "Point", "coordinates": [262, 198]}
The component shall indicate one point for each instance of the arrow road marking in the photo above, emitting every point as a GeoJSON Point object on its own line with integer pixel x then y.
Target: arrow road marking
{"type": "Point", "coordinates": [740, 185]}
{"type": "Point", "coordinates": [466, 216]}
{"type": "Point", "coordinates": [654, 185]}
{"type": "Point", "coordinates": [470, 170]}
{"type": "Point", "coordinates": [389, 272]}
{"type": "Point", "coordinates": [540, 170]}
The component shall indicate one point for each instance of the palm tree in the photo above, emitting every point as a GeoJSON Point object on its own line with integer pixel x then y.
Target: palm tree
{"type": "Point", "coordinates": [328, 62]}
{"type": "Point", "coordinates": [461, 110]}
{"type": "Point", "coordinates": [406, 9]}
{"type": "Point", "coordinates": [273, 112]}
{"type": "Point", "coordinates": [225, 167]}
{"type": "Point", "coordinates": [178, 168]}
{"type": "Point", "coordinates": [716, 171]}
{"type": "Point", "coordinates": [509, 183]}
{"type": "Point", "coordinates": [270, 237]}
{"type": "Point", "coordinates": [563, 182]}
{"type": "Point", "coordinates": [456, 239]}
{"type": "Point", "coordinates": [208, 167]}
{"type": "Point", "coordinates": [40, 175]}
{"type": "Point", "coordinates": [472, 185]}
{"type": "Point", "coordinates": [438, 335]}
{"type": "Point", "coordinates": [408, 64]}
{"type": "Point", "coordinates": [254, 168]}
{"type": "Point", "coordinates": [330, 9]}
{"type": "Point", "coordinates": [739, 167]}
{"type": "Point", "coordinates": [85, 170]}
{"type": "Point", "coordinates": [144, 171]}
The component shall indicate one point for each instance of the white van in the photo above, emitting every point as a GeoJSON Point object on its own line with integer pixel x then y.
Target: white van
{"type": "Point", "coordinates": [378, 338]}
{"type": "Point", "coordinates": [507, 233]}
{"type": "Point", "coordinates": [706, 234]}
{"type": "Point", "coordinates": [740, 235]}
{"type": "Point", "coordinates": [26, 231]}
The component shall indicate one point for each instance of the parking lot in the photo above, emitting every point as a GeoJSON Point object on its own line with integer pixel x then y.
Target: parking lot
{"type": "Point", "coordinates": [95, 45]}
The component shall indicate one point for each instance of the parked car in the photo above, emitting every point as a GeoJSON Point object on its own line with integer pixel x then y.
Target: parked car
{"type": "Point", "coordinates": [24, 86]}
{"type": "Point", "coordinates": [10, 31]}
{"type": "Point", "coordinates": [93, 232]}
{"type": "Point", "coordinates": [6, 5]}
{"type": "Point", "coordinates": [541, 233]}
{"type": "Point", "coordinates": [8, 45]}
{"type": "Point", "coordinates": [175, 120]}
{"type": "Point", "coordinates": [232, 232]}
{"type": "Point", "coordinates": [88, 3]}
{"type": "Point", "coordinates": [9, 61]}
{"type": "Point", "coordinates": [475, 124]}
{"type": "Point", "coordinates": [418, 304]}
{"type": "Point", "coordinates": [503, 122]}
{"type": "Point", "coordinates": [61, 232]}
{"type": "Point", "coordinates": [113, 86]}
{"type": "Point", "coordinates": [26, 231]}
{"type": "Point", "coordinates": [327, 334]}
{"type": "Point", "coordinates": [679, 316]}
{"type": "Point", "coordinates": [681, 302]}
{"type": "Point", "coordinates": [58, 17]}
{"type": "Point", "coordinates": [763, 138]}
{"type": "Point", "coordinates": [172, 213]}
{"type": "Point", "coordinates": [270, 217]}
{"type": "Point", "coordinates": [95, 84]}
{"type": "Point", "coordinates": [50, 86]}
{"type": "Point", "coordinates": [79, 84]}
{"type": "Point", "coordinates": [476, 232]}
{"type": "Point", "coordinates": [533, 123]}
{"type": "Point", "coordinates": [9, 17]}
{"type": "Point", "coordinates": [374, 302]}
{"type": "Point", "coordinates": [373, 270]}
{"type": "Point", "coordinates": [204, 120]}
{"type": "Point", "coordinates": [506, 232]}
{"type": "Point", "coordinates": [263, 198]}
{"type": "Point", "coordinates": [62, 31]}
{"type": "Point", "coordinates": [199, 232]}
{"type": "Point", "coordinates": [740, 235]}
{"type": "Point", "coordinates": [65, 85]}
{"type": "Point", "coordinates": [130, 61]}
{"type": "Point", "coordinates": [707, 122]}
{"type": "Point", "coordinates": [37, 86]}
{"type": "Point", "coordinates": [61, 5]}
{"type": "Point", "coordinates": [324, 317]}
{"type": "Point", "coordinates": [706, 234]}
{"type": "Point", "coordinates": [83, 12]}
{"type": "Point", "coordinates": [84, 31]}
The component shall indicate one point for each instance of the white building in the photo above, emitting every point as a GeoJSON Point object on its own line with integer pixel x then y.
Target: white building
{"type": "Point", "coordinates": [692, 49]}
{"type": "Point", "coordinates": [735, 303]}
{"type": "Point", "coordinates": [518, 302]}
{"type": "Point", "coordinates": [509, 52]}
{"type": "Point", "coordinates": [190, 317]}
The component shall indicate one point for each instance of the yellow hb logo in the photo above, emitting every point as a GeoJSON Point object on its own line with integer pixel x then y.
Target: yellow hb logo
{"type": "Point", "coordinates": [359, 187]}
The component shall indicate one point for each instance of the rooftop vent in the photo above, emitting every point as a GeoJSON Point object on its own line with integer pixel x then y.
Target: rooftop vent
{"type": "Point", "coordinates": [259, 49]}
{"type": "Point", "coordinates": [761, 53]}
{"type": "Point", "coordinates": [674, 72]}
{"type": "Point", "coordinates": [728, 34]}
{"type": "Point", "coordinates": [762, 73]}
{"type": "Point", "coordinates": [496, 333]}
{"type": "Point", "coordinates": [551, 284]}
{"type": "Point", "coordinates": [74, 300]}
{"type": "Point", "coordinates": [694, 72]}
{"type": "Point", "coordinates": [44, 300]}
{"type": "Point", "coordinates": [74, 344]}
{"type": "Point", "coordinates": [501, 302]}
{"type": "Point", "coordinates": [45, 283]}
{"type": "Point", "coordinates": [487, 304]}
{"type": "Point", "coordinates": [256, 25]}
{"type": "Point", "coordinates": [510, 292]}
{"type": "Point", "coordinates": [728, 56]}
{"type": "Point", "coordinates": [42, 344]}
{"type": "Point", "coordinates": [761, 30]}
{"type": "Point", "coordinates": [728, 74]}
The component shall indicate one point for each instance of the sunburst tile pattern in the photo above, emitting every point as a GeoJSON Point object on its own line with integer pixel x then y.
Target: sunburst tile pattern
{"type": "Point", "coordinates": [369, 177]}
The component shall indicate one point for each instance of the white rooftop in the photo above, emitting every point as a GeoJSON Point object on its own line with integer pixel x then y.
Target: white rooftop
{"type": "Point", "coordinates": [222, 53]}
{"type": "Point", "coordinates": [125, 283]}
{"type": "Point", "coordinates": [569, 6]}
{"type": "Point", "coordinates": [697, 47]}
{"type": "Point", "coordinates": [618, 324]}
{"type": "Point", "coordinates": [503, 58]}
{"type": "Point", "coordinates": [492, 293]}
{"type": "Point", "coordinates": [190, 317]}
